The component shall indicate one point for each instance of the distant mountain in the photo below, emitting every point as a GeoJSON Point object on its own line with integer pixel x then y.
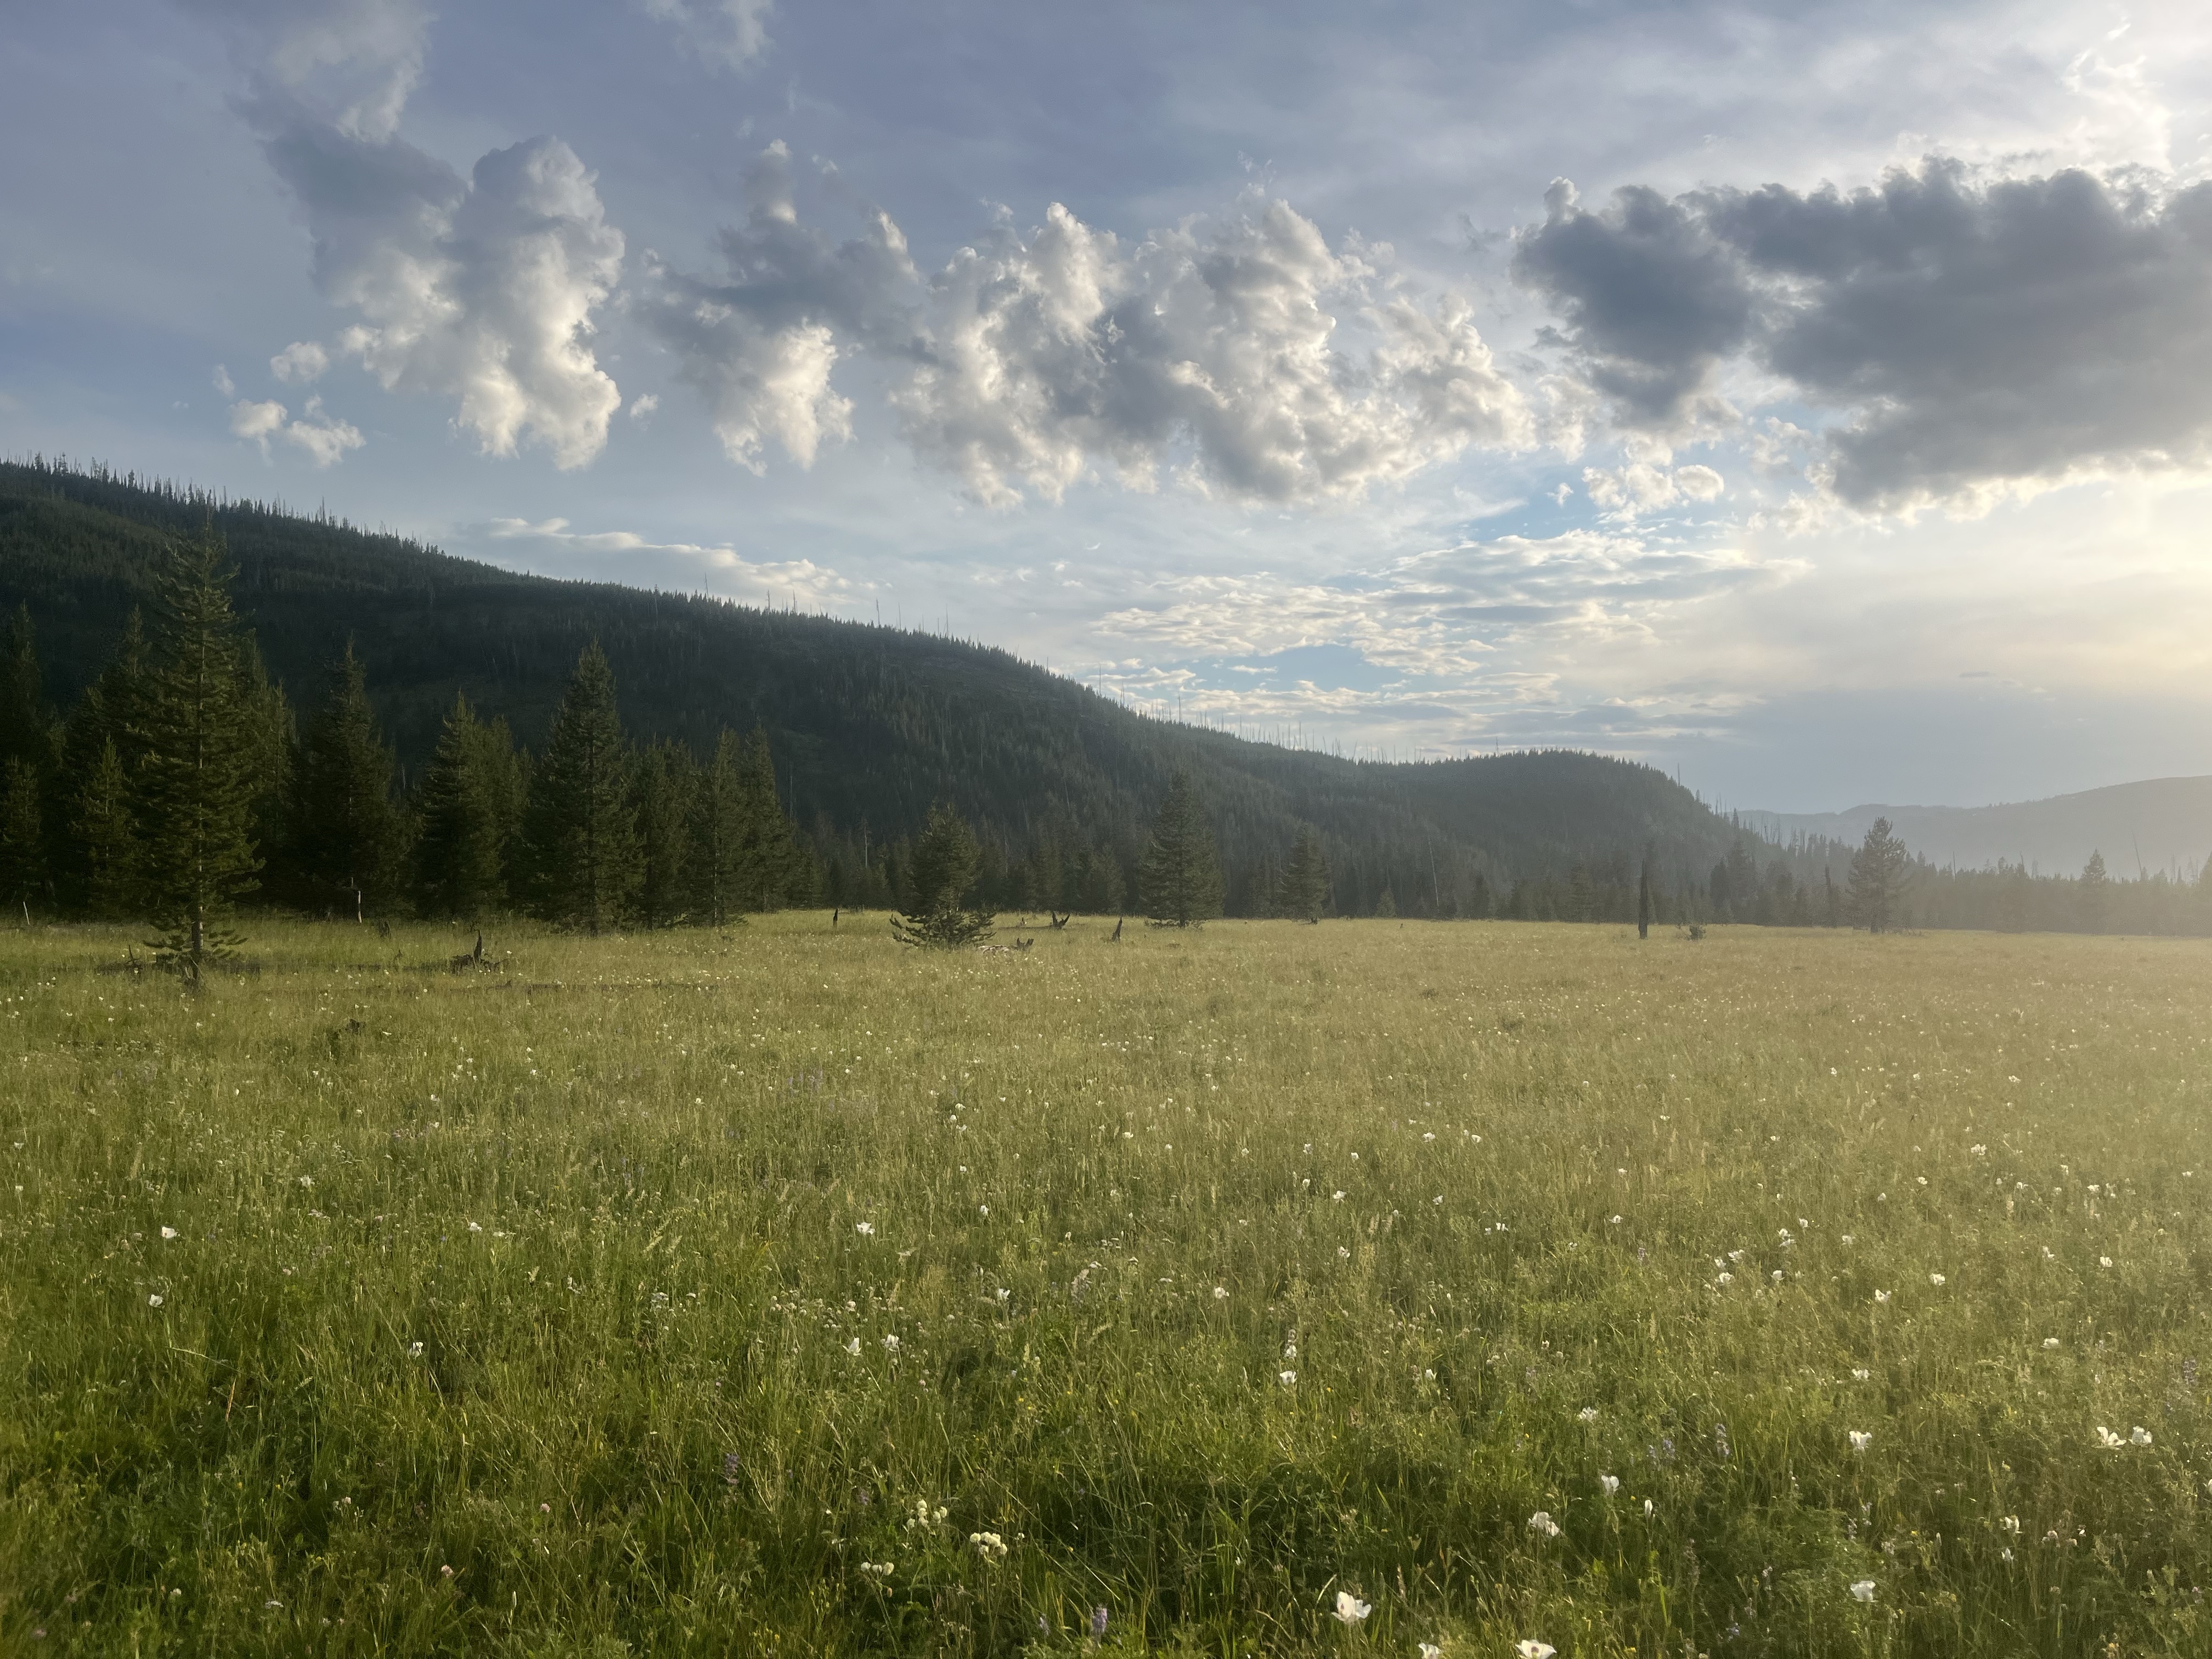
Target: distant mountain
{"type": "Point", "coordinates": [2162, 825]}
{"type": "Point", "coordinates": [869, 725]}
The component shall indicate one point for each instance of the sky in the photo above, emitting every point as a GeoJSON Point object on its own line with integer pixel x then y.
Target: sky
{"type": "Point", "coordinates": [1814, 400]}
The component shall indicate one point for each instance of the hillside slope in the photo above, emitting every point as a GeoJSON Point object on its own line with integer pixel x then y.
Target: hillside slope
{"type": "Point", "coordinates": [2160, 824]}
{"type": "Point", "coordinates": [870, 724]}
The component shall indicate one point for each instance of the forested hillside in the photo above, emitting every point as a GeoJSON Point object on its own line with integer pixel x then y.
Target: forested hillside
{"type": "Point", "coordinates": [869, 725]}
{"type": "Point", "coordinates": [866, 727]}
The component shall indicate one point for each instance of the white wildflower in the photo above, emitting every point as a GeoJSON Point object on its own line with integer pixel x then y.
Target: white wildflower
{"type": "Point", "coordinates": [1533, 1649]}
{"type": "Point", "coordinates": [866, 1230]}
{"type": "Point", "coordinates": [988, 1545]}
{"type": "Point", "coordinates": [1862, 1590]}
{"type": "Point", "coordinates": [1350, 1610]}
{"type": "Point", "coordinates": [1288, 1379]}
{"type": "Point", "coordinates": [1542, 1525]}
{"type": "Point", "coordinates": [1861, 1439]}
{"type": "Point", "coordinates": [1608, 1484]}
{"type": "Point", "coordinates": [154, 1300]}
{"type": "Point", "coordinates": [168, 1232]}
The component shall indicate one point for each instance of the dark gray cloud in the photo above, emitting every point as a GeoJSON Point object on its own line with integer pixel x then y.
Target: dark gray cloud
{"type": "Point", "coordinates": [1652, 301]}
{"type": "Point", "coordinates": [1974, 334]}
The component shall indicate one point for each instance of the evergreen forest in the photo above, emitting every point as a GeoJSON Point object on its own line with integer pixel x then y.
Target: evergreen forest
{"type": "Point", "coordinates": [378, 729]}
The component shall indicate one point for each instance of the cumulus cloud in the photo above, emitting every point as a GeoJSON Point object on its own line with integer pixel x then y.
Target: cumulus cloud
{"type": "Point", "coordinates": [1640, 487]}
{"type": "Point", "coordinates": [478, 289]}
{"type": "Point", "coordinates": [324, 437]}
{"type": "Point", "coordinates": [1212, 347]}
{"type": "Point", "coordinates": [726, 33]}
{"type": "Point", "coordinates": [302, 361]}
{"type": "Point", "coordinates": [760, 344]}
{"type": "Point", "coordinates": [350, 63]}
{"type": "Point", "coordinates": [481, 290]}
{"type": "Point", "coordinates": [1029, 362]}
{"type": "Point", "coordinates": [1974, 335]}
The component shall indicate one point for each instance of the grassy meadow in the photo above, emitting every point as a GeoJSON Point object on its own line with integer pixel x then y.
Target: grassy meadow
{"type": "Point", "coordinates": [780, 1290]}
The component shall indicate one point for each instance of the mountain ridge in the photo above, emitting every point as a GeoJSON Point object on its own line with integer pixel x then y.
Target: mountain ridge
{"type": "Point", "coordinates": [870, 724]}
{"type": "Point", "coordinates": [2146, 826]}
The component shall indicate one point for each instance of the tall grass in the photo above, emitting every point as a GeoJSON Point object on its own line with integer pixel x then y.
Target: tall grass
{"type": "Point", "coordinates": [732, 1293]}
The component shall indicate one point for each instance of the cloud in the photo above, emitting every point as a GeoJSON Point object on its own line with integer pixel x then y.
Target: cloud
{"type": "Point", "coordinates": [726, 33]}
{"type": "Point", "coordinates": [1640, 487]}
{"type": "Point", "coordinates": [302, 361]}
{"type": "Point", "coordinates": [1974, 336]}
{"type": "Point", "coordinates": [222, 381]}
{"type": "Point", "coordinates": [326, 438]}
{"type": "Point", "coordinates": [480, 290]}
{"type": "Point", "coordinates": [351, 63]}
{"type": "Point", "coordinates": [760, 344]}
{"type": "Point", "coordinates": [1029, 362]}
{"type": "Point", "coordinates": [1652, 306]}
{"type": "Point", "coordinates": [1213, 348]}
{"type": "Point", "coordinates": [777, 582]}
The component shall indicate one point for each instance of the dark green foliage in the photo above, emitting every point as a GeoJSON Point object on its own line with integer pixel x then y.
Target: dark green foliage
{"type": "Point", "coordinates": [942, 876]}
{"type": "Point", "coordinates": [2096, 893]}
{"type": "Point", "coordinates": [667, 784]}
{"type": "Point", "coordinates": [720, 839]}
{"type": "Point", "coordinates": [345, 841]}
{"type": "Point", "coordinates": [1180, 876]}
{"type": "Point", "coordinates": [105, 840]}
{"type": "Point", "coordinates": [200, 743]}
{"type": "Point", "coordinates": [870, 725]}
{"type": "Point", "coordinates": [579, 828]}
{"type": "Point", "coordinates": [1305, 878]}
{"type": "Point", "coordinates": [1879, 870]}
{"type": "Point", "coordinates": [468, 818]}
{"type": "Point", "coordinates": [24, 734]}
{"type": "Point", "coordinates": [1645, 911]}
{"type": "Point", "coordinates": [774, 868]}
{"type": "Point", "coordinates": [22, 838]}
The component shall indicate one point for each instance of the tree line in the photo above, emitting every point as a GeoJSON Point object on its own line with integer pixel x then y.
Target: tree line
{"type": "Point", "coordinates": [181, 782]}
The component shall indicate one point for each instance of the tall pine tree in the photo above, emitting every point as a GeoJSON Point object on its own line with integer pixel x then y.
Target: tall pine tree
{"type": "Point", "coordinates": [468, 814]}
{"type": "Point", "coordinates": [106, 837]}
{"type": "Point", "coordinates": [667, 780]}
{"type": "Point", "coordinates": [580, 830]}
{"type": "Point", "coordinates": [1305, 878]}
{"type": "Point", "coordinates": [345, 834]}
{"type": "Point", "coordinates": [719, 857]}
{"type": "Point", "coordinates": [947, 861]}
{"type": "Point", "coordinates": [1179, 879]}
{"type": "Point", "coordinates": [197, 786]}
{"type": "Point", "coordinates": [22, 838]}
{"type": "Point", "coordinates": [1878, 875]}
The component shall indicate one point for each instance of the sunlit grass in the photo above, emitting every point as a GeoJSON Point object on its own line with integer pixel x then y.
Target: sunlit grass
{"type": "Point", "coordinates": [782, 1291]}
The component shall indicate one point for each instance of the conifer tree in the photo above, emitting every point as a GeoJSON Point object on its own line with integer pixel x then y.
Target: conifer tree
{"type": "Point", "coordinates": [579, 828]}
{"type": "Point", "coordinates": [466, 818]}
{"type": "Point", "coordinates": [1179, 877]}
{"type": "Point", "coordinates": [1878, 876]}
{"type": "Point", "coordinates": [667, 783]}
{"type": "Point", "coordinates": [942, 876]}
{"type": "Point", "coordinates": [345, 837]}
{"type": "Point", "coordinates": [776, 868]}
{"type": "Point", "coordinates": [721, 847]}
{"type": "Point", "coordinates": [107, 714]}
{"type": "Point", "coordinates": [272, 744]}
{"type": "Point", "coordinates": [22, 838]}
{"type": "Point", "coordinates": [1644, 904]}
{"type": "Point", "coordinates": [2096, 893]}
{"type": "Point", "coordinates": [195, 782]}
{"type": "Point", "coordinates": [24, 734]}
{"type": "Point", "coordinates": [1305, 893]}
{"type": "Point", "coordinates": [106, 840]}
